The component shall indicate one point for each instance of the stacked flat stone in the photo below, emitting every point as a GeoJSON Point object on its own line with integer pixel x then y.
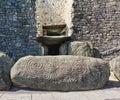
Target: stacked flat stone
{"type": "Point", "coordinates": [5, 66]}
{"type": "Point", "coordinates": [17, 29]}
{"type": "Point", "coordinates": [115, 67]}
{"type": "Point", "coordinates": [64, 73]}
{"type": "Point", "coordinates": [21, 20]}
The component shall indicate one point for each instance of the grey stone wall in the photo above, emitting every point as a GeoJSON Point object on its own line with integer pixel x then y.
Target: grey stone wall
{"type": "Point", "coordinates": [94, 20]}
{"type": "Point", "coordinates": [49, 12]}
{"type": "Point", "coordinates": [17, 28]}
{"type": "Point", "coordinates": [99, 22]}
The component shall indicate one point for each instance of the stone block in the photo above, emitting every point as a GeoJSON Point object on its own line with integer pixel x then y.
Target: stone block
{"type": "Point", "coordinates": [64, 73]}
{"type": "Point", "coordinates": [115, 66]}
{"type": "Point", "coordinates": [5, 66]}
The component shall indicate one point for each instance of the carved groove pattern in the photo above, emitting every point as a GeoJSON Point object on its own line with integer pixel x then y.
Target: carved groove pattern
{"type": "Point", "coordinates": [61, 72]}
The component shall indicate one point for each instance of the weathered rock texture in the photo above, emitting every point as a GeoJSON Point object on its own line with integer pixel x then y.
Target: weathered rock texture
{"type": "Point", "coordinates": [95, 20]}
{"type": "Point", "coordinates": [17, 28]}
{"type": "Point", "coordinates": [98, 21]}
{"type": "Point", "coordinates": [63, 50]}
{"type": "Point", "coordinates": [81, 48]}
{"type": "Point", "coordinates": [115, 66]}
{"type": "Point", "coordinates": [5, 66]}
{"type": "Point", "coordinates": [60, 73]}
{"type": "Point", "coordinates": [49, 12]}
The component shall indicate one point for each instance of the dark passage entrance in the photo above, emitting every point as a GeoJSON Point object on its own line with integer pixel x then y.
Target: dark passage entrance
{"type": "Point", "coordinates": [53, 49]}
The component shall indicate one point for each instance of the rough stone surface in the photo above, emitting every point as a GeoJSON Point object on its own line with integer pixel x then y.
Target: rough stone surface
{"type": "Point", "coordinates": [115, 66]}
{"type": "Point", "coordinates": [80, 48]}
{"type": "Point", "coordinates": [52, 40]}
{"type": "Point", "coordinates": [98, 21]}
{"type": "Point", "coordinates": [17, 28]}
{"type": "Point", "coordinates": [21, 20]}
{"type": "Point", "coordinates": [49, 12]}
{"type": "Point", "coordinates": [63, 50]}
{"type": "Point", "coordinates": [5, 66]}
{"type": "Point", "coordinates": [63, 73]}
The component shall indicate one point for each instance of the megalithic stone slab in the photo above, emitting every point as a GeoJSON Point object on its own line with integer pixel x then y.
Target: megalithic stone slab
{"type": "Point", "coordinates": [81, 48]}
{"type": "Point", "coordinates": [115, 66]}
{"type": "Point", "coordinates": [5, 66]}
{"type": "Point", "coordinates": [64, 73]}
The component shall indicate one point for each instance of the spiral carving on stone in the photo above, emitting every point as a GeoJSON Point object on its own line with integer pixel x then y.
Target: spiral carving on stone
{"type": "Point", "coordinates": [33, 67]}
{"type": "Point", "coordinates": [60, 72]}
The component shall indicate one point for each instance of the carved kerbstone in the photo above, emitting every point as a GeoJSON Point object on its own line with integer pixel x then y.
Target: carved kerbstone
{"type": "Point", "coordinates": [65, 73]}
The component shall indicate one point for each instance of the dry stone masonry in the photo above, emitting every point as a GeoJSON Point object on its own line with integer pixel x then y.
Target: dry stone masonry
{"type": "Point", "coordinates": [17, 28]}
{"type": "Point", "coordinates": [22, 20]}
{"type": "Point", "coordinates": [99, 22]}
{"type": "Point", "coordinates": [49, 12]}
{"type": "Point", "coordinates": [62, 27]}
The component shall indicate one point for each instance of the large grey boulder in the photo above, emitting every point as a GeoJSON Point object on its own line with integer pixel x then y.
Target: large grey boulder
{"type": "Point", "coordinates": [5, 66]}
{"type": "Point", "coordinates": [115, 66]}
{"type": "Point", "coordinates": [80, 48]}
{"type": "Point", "coordinates": [65, 73]}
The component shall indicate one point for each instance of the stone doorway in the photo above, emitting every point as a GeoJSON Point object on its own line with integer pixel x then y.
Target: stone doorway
{"type": "Point", "coordinates": [53, 37]}
{"type": "Point", "coordinates": [53, 49]}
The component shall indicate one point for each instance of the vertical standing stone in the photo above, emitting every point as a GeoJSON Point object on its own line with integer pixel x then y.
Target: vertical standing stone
{"type": "Point", "coordinates": [115, 66]}
{"type": "Point", "coordinates": [5, 66]}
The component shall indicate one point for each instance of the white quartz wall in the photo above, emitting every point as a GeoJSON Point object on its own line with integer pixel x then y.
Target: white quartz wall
{"type": "Point", "coordinates": [49, 12]}
{"type": "Point", "coordinates": [68, 16]}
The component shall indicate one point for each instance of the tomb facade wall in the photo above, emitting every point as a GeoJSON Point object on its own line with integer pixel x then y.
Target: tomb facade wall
{"type": "Point", "coordinates": [87, 20]}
